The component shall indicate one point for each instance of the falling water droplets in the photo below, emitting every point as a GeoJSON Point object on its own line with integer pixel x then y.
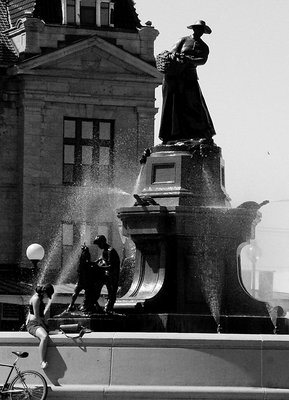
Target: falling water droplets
{"type": "Point", "coordinates": [90, 204]}
{"type": "Point", "coordinates": [51, 258]}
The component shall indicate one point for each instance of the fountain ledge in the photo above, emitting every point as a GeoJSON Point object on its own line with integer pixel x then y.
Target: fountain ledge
{"type": "Point", "coordinates": [117, 365]}
{"type": "Point", "coordinates": [120, 392]}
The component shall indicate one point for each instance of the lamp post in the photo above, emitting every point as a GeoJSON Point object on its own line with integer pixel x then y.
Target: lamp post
{"type": "Point", "coordinates": [35, 253]}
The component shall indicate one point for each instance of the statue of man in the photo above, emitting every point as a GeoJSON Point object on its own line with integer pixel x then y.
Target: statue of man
{"type": "Point", "coordinates": [84, 282]}
{"type": "Point", "coordinates": [184, 112]}
{"type": "Point", "coordinates": [107, 269]}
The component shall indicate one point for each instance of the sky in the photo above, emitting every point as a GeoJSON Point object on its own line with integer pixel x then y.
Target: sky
{"type": "Point", "coordinates": [246, 87]}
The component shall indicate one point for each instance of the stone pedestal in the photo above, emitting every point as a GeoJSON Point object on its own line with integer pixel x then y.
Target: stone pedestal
{"type": "Point", "coordinates": [186, 175]}
{"type": "Point", "coordinates": [187, 246]}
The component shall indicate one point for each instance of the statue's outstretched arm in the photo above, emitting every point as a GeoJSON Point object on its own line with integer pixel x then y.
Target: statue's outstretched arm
{"type": "Point", "coordinates": [196, 60]}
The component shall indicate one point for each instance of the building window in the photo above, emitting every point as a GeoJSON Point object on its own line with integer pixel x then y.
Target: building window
{"type": "Point", "coordinates": [88, 12]}
{"type": "Point", "coordinates": [104, 14]}
{"type": "Point", "coordinates": [10, 312]}
{"type": "Point", "coordinates": [71, 12]}
{"type": "Point", "coordinates": [87, 151]}
{"type": "Point", "coordinates": [74, 235]}
{"type": "Point", "coordinates": [80, 233]}
{"type": "Point", "coordinates": [105, 230]}
{"type": "Point", "coordinates": [67, 234]}
{"type": "Point", "coordinates": [69, 237]}
{"type": "Point", "coordinates": [85, 233]}
{"type": "Point", "coordinates": [11, 316]}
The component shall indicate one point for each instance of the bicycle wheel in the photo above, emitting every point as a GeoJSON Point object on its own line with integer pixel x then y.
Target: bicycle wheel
{"type": "Point", "coordinates": [28, 385]}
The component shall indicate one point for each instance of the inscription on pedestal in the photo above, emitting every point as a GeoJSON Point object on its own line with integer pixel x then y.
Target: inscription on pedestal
{"type": "Point", "coordinates": [164, 173]}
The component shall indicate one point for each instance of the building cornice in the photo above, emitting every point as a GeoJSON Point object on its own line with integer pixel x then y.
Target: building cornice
{"type": "Point", "coordinates": [42, 60]}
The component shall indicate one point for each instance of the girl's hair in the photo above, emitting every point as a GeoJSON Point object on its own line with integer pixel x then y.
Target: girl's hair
{"type": "Point", "coordinates": [45, 289]}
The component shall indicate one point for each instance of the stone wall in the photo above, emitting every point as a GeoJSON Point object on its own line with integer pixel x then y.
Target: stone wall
{"type": "Point", "coordinates": [157, 366]}
{"type": "Point", "coordinates": [46, 202]}
{"type": "Point", "coordinates": [10, 217]}
{"type": "Point", "coordinates": [33, 35]}
{"type": "Point", "coordinates": [85, 83]}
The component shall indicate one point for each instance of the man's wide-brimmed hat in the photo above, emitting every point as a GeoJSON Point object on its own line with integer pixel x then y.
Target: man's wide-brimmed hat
{"type": "Point", "coordinates": [201, 23]}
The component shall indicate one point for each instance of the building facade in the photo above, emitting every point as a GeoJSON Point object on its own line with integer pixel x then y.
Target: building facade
{"type": "Point", "coordinates": [77, 84]}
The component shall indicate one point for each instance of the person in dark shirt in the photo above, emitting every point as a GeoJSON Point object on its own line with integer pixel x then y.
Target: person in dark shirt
{"type": "Point", "coordinates": [35, 322]}
{"type": "Point", "coordinates": [107, 269]}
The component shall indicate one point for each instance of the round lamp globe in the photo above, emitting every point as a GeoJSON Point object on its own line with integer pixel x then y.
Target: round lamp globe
{"type": "Point", "coordinates": [35, 252]}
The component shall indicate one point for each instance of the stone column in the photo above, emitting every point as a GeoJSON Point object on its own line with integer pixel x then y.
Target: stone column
{"type": "Point", "coordinates": [98, 11]}
{"type": "Point", "coordinates": [33, 28]}
{"type": "Point", "coordinates": [64, 11]}
{"type": "Point", "coordinates": [145, 127]}
{"type": "Point", "coordinates": [148, 35]}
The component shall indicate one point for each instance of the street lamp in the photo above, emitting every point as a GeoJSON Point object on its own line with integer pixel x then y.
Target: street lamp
{"type": "Point", "coordinates": [35, 253]}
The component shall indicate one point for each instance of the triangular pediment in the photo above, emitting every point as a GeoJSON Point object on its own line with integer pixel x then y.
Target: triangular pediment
{"type": "Point", "coordinates": [92, 60]}
{"type": "Point", "coordinates": [91, 57]}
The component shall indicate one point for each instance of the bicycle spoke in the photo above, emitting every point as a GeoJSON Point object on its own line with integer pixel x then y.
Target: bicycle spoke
{"type": "Point", "coordinates": [31, 385]}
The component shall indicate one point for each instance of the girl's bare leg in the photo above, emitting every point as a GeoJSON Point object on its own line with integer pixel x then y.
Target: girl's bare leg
{"type": "Point", "coordinates": [43, 337]}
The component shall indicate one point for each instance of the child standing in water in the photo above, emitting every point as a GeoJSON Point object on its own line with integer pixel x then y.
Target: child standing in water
{"type": "Point", "coordinates": [35, 323]}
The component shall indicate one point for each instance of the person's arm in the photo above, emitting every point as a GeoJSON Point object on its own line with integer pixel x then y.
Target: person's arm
{"type": "Point", "coordinates": [178, 46]}
{"type": "Point", "coordinates": [36, 308]}
{"type": "Point", "coordinates": [109, 257]}
{"type": "Point", "coordinates": [200, 55]}
{"type": "Point", "coordinates": [47, 307]}
{"type": "Point", "coordinates": [196, 60]}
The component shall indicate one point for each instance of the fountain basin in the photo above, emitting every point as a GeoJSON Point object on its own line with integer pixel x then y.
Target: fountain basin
{"type": "Point", "coordinates": [173, 322]}
{"type": "Point", "coordinates": [186, 259]}
{"type": "Point", "coordinates": [158, 365]}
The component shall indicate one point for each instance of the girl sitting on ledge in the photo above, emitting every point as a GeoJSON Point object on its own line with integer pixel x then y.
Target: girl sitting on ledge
{"type": "Point", "coordinates": [35, 323]}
